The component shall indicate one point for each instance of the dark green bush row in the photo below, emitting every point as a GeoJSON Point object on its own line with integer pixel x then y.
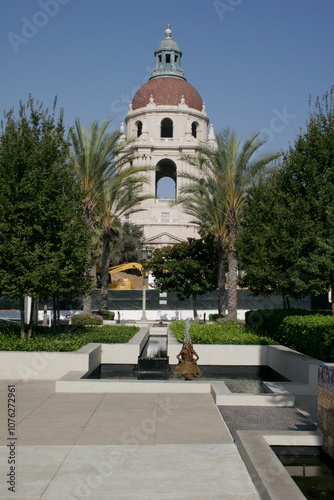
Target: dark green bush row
{"type": "Point", "coordinates": [67, 338]}
{"type": "Point", "coordinates": [299, 329]}
{"type": "Point", "coordinates": [268, 321]}
{"type": "Point", "coordinates": [229, 332]}
{"type": "Point", "coordinates": [311, 335]}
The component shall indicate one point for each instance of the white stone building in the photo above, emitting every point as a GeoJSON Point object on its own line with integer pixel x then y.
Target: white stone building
{"type": "Point", "coordinates": [166, 119]}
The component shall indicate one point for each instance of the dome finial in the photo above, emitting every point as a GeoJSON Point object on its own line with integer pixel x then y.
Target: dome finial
{"type": "Point", "coordinates": [168, 31]}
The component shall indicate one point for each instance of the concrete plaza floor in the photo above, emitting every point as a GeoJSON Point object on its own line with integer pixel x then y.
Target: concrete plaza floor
{"type": "Point", "coordinates": [118, 446]}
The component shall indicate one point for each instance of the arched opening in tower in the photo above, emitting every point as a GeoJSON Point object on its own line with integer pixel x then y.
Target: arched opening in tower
{"type": "Point", "coordinates": [194, 126]}
{"type": "Point", "coordinates": [139, 126]}
{"type": "Point", "coordinates": [165, 180]}
{"type": "Point", "coordinates": [166, 127]}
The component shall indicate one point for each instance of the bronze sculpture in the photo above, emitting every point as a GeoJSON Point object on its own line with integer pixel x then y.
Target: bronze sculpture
{"type": "Point", "coordinates": [188, 358]}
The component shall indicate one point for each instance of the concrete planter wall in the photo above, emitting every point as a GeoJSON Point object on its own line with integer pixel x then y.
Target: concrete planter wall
{"type": "Point", "coordinates": [295, 366]}
{"type": "Point", "coordinates": [236, 355]}
{"type": "Point", "coordinates": [48, 365]}
{"type": "Point", "coordinates": [20, 365]}
{"type": "Point", "coordinates": [125, 353]}
{"type": "Point", "coordinates": [300, 369]}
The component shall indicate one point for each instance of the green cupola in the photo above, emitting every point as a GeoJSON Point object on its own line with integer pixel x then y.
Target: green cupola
{"type": "Point", "coordinates": [168, 58]}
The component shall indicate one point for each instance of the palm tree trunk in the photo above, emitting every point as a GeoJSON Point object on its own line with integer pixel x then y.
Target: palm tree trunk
{"type": "Point", "coordinates": [105, 272]}
{"type": "Point", "coordinates": [87, 304]}
{"type": "Point", "coordinates": [232, 282]}
{"type": "Point", "coordinates": [87, 300]}
{"type": "Point", "coordinates": [232, 275]}
{"type": "Point", "coordinates": [221, 281]}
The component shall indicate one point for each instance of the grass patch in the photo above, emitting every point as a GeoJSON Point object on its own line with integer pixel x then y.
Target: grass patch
{"type": "Point", "coordinates": [228, 332]}
{"type": "Point", "coordinates": [65, 338]}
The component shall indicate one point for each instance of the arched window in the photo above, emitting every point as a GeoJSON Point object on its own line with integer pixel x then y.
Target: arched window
{"type": "Point", "coordinates": [166, 127]}
{"type": "Point", "coordinates": [139, 126]}
{"type": "Point", "coordinates": [194, 126]}
{"type": "Point", "coordinates": [165, 180]}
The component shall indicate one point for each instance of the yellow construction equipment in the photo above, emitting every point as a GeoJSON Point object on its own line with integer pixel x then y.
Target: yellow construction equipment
{"type": "Point", "coordinates": [123, 283]}
{"type": "Point", "coordinates": [124, 267]}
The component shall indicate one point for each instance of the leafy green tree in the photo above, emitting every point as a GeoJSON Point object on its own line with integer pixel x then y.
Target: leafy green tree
{"type": "Point", "coordinates": [104, 164]}
{"type": "Point", "coordinates": [215, 194]}
{"type": "Point", "coordinates": [286, 240]}
{"type": "Point", "coordinates": [273, 239]}
{"type": "Point", "coordinates": [44, 236]}
{"type": "Point", "coordinates": [190, 268]}
{"type": "Point", "coordinates": [127, 247]}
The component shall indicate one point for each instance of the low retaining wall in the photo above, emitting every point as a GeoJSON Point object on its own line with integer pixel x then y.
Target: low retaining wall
{"type": "Point", "coordinates": [126, 354]}
{"type": "Point", "coordinates": [48, 365]}
{"type": "Point", "coordinates": [294, 365]}
{"type": "Point", "coordinates": [236, 355]}
{"type": "Point", "coordinates": [269, 476]}
{"type": "Point", "coordinates": [326, 407]}
{"type": "Point", "coordinates": [300, 369]}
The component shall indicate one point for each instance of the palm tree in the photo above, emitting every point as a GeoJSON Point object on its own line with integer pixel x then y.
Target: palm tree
{"type": "Point", "coordinates": [202, 199]}
{"type": "Point", "coordinates": [215, 194]}
{"type": "Point", "coordinates": [103, 162]}
{"type": "Point", "coordinates": [121, 195]}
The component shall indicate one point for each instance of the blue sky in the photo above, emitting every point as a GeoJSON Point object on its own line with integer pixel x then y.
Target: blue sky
{"type": "Point", "coordinates": [254, 62]}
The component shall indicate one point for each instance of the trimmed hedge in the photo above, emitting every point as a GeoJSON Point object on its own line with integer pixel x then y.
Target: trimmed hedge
{"type": "Point", "coordinates": [299, 329]}
{"type": "Point", "coordinates": [66, 338]}
{"type": "Point", "coordinates": [311, 335]}
{"type": "Point", "coordinates": [228, 332]}
{"type": "Point", "coordinates": [268, 321]}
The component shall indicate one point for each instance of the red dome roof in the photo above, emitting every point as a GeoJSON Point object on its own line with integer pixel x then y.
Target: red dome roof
{"type": "Point", "coordinates": [167, 91]}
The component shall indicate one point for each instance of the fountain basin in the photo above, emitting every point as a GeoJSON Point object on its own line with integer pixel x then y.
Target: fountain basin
{"type": "Point", "coordinates": [238, 379]}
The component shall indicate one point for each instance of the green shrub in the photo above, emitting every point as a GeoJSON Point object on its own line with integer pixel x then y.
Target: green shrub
{"type": "Point", "coordinates": [215, 317]}
{"type": "Point", "coordinates": [66, 338]}
{"type": "Point", "coordinates": [311, 335]}
{"type": "Point", "coordinates": [86, 319]}
{"type": "Point", "coordinates": [268, 321]}
{"type": "Point", "coordinates": [108, 315]}
{"type": "Point", "coordinates": [228, 332]}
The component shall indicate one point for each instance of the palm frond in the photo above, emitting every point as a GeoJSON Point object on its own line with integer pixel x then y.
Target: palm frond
{"type": "Point", "coordinates": [218, 187]}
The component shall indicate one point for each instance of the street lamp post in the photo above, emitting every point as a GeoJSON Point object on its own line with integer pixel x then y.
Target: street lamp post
{"type": "Point", "coordinates": [144, 257]}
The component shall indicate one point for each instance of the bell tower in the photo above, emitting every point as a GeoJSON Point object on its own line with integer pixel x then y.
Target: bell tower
{"type": "Point", "coordinates": [168, 57]}
{"type": "Point", "coordinates": [166, 120]}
